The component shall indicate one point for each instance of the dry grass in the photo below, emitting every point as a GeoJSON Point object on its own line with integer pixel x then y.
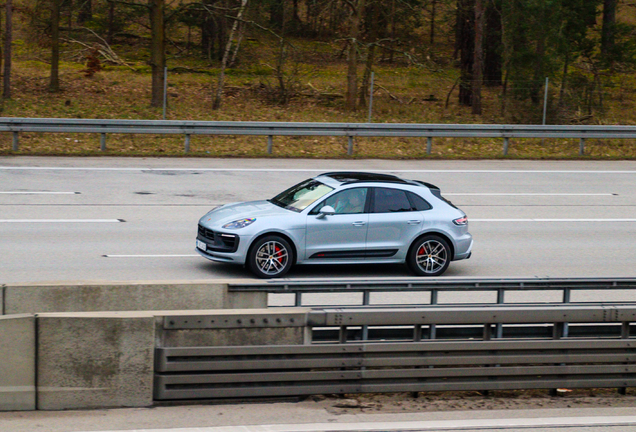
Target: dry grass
{"type": "Point", "coordinates": [405, 95]}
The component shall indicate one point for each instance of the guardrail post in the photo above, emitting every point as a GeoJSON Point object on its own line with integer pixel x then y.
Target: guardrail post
{"type": "Point", "coordinates": [432, 329]}
{"type": "Point", "coordinates": [102, 142]}
{"type": "Point", "coordinates": [624, 335]}
{"type": "Point", "coordinates": [557, 330]}
{"type": "Point", "coordinates": [350, 148]}
{"type": "Point", "coordinates": [506, 145]}
{"type": "Point", "coordinates": [298, 299]}
{"type": "Point", "coordinates": [187, 143]}
{"type": "Point", "coordinates": [417, 333]}
{"type": "Point", "coordinates": [270, 142]}
{"type": "Point", "coordinates": [16, 141]}
{"type": "Point", "coordinates": [487, 332]}
{"type": "Point", "coordinates": [582, 147]}
{"type": "Point", "coordinates": [567, 294]}
{"type": "Point", "coordinates": [343, 334]}
{"type": "Point", "coordinates": [366, 300]}
{"type": "Point", "coordinates": [429, 145]}
{"type": "Point", "coordinates": [500, 300]}
{"type": "Point", "coordinates": [557, 333]}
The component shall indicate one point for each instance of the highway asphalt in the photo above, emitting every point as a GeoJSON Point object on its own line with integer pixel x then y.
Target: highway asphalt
{"type": "Point", "coordinates": [134, 219]}
{"type": "Point", "coordinates": [107, 219]}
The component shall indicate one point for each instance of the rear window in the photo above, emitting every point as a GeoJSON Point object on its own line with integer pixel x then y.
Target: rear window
{"type": "Point", "coordinates": [418, 203]}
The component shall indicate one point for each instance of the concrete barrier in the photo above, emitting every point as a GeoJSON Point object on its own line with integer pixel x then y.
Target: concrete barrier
{"type": "Point", "coordinates": [17, 363]}
{"type": "Point", "coordinates": [125, 296]}
{"type": "Point", "coordinates": [87, 360]}
{"type": "Point", "coordinates": [95, 360]}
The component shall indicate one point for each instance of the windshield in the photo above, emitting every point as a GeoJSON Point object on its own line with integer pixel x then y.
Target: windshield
{"type": "Point", "coordinates": [298, 197]}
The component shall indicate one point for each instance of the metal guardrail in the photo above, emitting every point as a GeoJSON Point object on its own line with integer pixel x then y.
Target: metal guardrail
{"type": "Point", "coordinates": [432, 365]}
{"type": "Point", "coordinates": [349, 130]}
{"type": "Point", "coordinates": [566, 287]}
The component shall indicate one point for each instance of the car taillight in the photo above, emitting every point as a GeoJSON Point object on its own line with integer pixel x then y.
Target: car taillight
{"type": "Point", "coordinates": [461, 221]}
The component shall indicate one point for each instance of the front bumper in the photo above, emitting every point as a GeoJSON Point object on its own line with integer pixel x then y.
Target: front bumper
{"type": "Point", "coordinates": [235, 252]}
{"type": "Point", "coordinates": [215, 256]}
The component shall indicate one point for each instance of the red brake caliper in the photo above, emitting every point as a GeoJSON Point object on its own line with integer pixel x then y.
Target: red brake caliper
{"type": "Point", "coordinates": [279, 259]}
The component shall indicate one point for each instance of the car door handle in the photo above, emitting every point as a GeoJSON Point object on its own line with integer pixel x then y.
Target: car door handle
{"type": "Point", "coordinates": [414, 222]}
{"type": "Point", "coordinates": [359, 223]}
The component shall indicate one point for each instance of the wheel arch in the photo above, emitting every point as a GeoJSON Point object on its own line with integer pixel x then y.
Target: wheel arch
{"type": "Point", "coordinates": [287, 238]}
{"type": "Point", "coordinates": [440, 234]}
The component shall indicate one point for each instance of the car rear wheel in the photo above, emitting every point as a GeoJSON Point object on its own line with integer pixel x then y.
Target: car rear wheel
{"type": "Point", "coordinates": [429, 256]}
{"type": "Point", "coordinates": [270, 257]}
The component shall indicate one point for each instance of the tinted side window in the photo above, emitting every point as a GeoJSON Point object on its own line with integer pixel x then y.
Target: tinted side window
{"type": "Point", "coordinates": [418, 203]}
{"type": "Point", "coordinates": [350, 201]}
{"type": "Point", "coordinates": [390, 201]}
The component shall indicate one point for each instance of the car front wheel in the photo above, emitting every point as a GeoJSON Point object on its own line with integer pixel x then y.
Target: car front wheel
{"type": "Point", "coordinates": [429, 256]}
{"type": "Point", "coordinates": [270, 257]}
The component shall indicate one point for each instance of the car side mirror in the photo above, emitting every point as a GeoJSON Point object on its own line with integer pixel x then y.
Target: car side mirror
{"type": "Point", "coordinates": [326, 211]}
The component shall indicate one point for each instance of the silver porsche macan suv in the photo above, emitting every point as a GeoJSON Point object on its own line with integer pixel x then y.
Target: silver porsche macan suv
{"type": "Point", "coordinates": [339, 218]}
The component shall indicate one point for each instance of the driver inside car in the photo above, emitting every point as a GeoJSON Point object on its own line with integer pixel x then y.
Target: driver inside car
{"type": "Point", "coordinates": [351, 202]}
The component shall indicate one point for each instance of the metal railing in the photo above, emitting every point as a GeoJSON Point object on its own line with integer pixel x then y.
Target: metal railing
{"type": "Point", "coordinates": [422, 365]}
{"type": "Point", "coordinates": [564, 286]}
{"type": "Point", "coordinates": [349, 130]}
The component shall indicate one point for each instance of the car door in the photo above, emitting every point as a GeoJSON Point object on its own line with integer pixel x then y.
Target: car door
{"type": "Point", "coordinates": [393, 222]}
{"type": "Point", "coordinates": [341, 236]}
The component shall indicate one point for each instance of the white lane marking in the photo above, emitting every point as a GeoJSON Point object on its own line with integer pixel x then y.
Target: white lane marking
{"type": "Point", "coordinates": [528, 194]}
{"type": "Point", "coordinates": [398, 426]}
{"type": "Point", "coordinates": [151, 256]}
{"type": "Point", "coordinates": [551, 220]}
{"type": "Point", "coordinates": [484, 171]}
{"type": "Point", "coordinates": [37, 193]}
{"type": "Point", "coordinates": [62, 220]}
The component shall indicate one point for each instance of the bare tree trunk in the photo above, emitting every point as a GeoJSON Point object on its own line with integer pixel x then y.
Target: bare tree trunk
{"type": "Point", "coordinates": [493, 44]}
{"type": "Point", "coordinates": [239, 39]}
{"type": "Point", "coordinates": [1, 57]}
{"type": "Point", "coordinates": [352, 68]}
{"type": "Point", "coordinates": [219, 88]}
{"type": "Point", "coordinates": [478, 60]}
{"type": "Point", "coordinates": [85, 11]}
{"type": "Point", "coordinates": [564, 80]}
{"type": "Point", "coordinates": [506, 55]}
{"type": "Point", "coordinates": [111, 22]}
{"type": "Point", "coordinates": [157, 50]}
{"type": "Point", "coordinates": [54, 82]}
{"type": "Point", "coordinates": [466, 34]}
{"type": "Point", "coordinates": [374, 32]}
{"type": "Point", "coordinates": [433, 13]}
{"type": "Point", "coordinates": [609, 26]}
{"type": "Point", "coordinates": [6, 93]}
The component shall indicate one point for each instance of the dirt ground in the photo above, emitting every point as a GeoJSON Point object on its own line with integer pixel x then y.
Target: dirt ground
{"type": "Point", "coordinates": [465, 401]}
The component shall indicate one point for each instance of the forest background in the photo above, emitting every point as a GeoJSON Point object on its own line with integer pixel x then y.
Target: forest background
{"type": "Point", "coordinates": [430, 61]}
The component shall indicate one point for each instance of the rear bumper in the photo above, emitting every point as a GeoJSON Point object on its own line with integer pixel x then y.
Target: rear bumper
{"type": "Point", "coordinates": [464, 247]}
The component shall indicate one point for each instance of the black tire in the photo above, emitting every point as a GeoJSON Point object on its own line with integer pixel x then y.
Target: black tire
{"type": "Point", "coordinates": [270, 257]}
{"type": "Point", "coordinates": [429, 255]}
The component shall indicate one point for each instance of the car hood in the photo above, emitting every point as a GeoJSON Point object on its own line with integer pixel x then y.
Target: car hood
{"type": "Point", "coordinates": [251, 209]}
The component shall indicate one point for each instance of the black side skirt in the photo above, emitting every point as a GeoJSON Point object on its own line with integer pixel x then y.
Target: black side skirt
{"type": "Point", "coordinates": [381, 253]}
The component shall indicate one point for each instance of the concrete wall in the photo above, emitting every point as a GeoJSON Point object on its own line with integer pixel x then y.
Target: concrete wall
{"type": "Point", "coordinates": [87, 360]}
{"type": "Point", "coordinates": [17, 363]}
{"type": "Point", "coordinates": [143, 296]}
{"type": "Point", "coordinates": [95, 360]}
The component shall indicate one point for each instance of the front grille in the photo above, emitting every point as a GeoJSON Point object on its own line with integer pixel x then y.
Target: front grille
{"type": "Point", "coordinates": [218, 242]}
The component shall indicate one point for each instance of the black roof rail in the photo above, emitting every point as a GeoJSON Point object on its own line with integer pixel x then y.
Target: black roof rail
{"type": "Point", "coordinates": [358, 176]}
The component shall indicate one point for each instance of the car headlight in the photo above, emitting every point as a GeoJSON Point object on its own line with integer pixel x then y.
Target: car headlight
{"type": "Point", "coordinates": [240, 223]}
